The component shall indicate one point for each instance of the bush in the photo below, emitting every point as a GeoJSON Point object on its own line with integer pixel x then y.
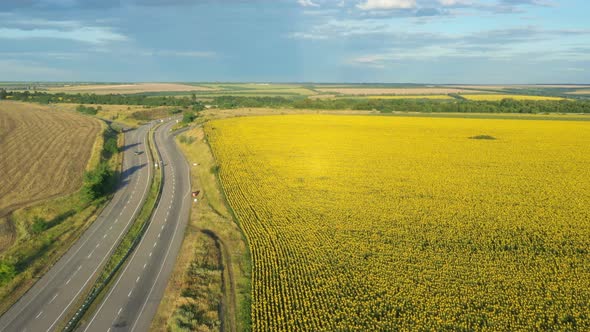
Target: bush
{"type": "Point", "coordinates": [39, 225]}
{"type": "Point", "coordinates": [188, 117]}
{"type": "Point", "coordinates": [110, 146]}
{"type": "Point", "coordinates": [7, 272]}
{"type": "Point", "coordinates": [86, 110]}
{"type": "Point", "coordinates": [97, 183]}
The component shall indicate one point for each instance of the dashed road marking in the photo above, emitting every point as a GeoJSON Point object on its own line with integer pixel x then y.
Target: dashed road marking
{"type": "Point", "coordinates": [39, 314]}
{"type": "Point", "coordinates": [67, 282]}
{"type": "Point", "coordinates": [119, 312]}
{"type": "Point", "coordinates": [129, 295]}
{"type": "Point", "coordinates": [144, 265]}
{"type": "Point", "coordinates": [53, 298]}
{"type": "Point", "coordinates": [150, 254]}
{"type": "Point", "coordinates": [137, 280]}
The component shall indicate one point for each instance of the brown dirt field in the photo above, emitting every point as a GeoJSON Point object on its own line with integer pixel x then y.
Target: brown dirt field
{"type": "Point", "coordinates": [396, 91]}
{"type": "Point", "coordinates": [129, 88]}
{"type": "Point", "coordinates": [44, 153]}
{"type": "Point", "coordinates": [580, 92]}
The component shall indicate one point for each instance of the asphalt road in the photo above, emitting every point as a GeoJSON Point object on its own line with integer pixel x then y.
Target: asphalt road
{"type": "Point", "coordinates": [48, 301]}
{"type": "Point", "coordinates": [132, 302]}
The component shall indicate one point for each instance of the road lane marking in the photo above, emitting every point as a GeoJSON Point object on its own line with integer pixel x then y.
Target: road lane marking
{"type": "Point", "coordinates": [104, 236]}
{"type": "Point", "coordinates": [160, 271]}
{"type": "Point", "coordinates": [150, 254]}
{"type": "Point", "coordinates": [67, 282]}
{"type": "Point", "coordinates": [129, 295]}
{"type": "Point", "coordinates": [119, 312]}
{"type": "Point", "coordinates": [137, 280]}
{"type": "Point", "coordinates": [144, 265]}
{"type": "Point", "coordinates": [53, 298]}
{"type": "Point", "coordinates": [159, 234]}
{"type": "Point", "coordinates": [39, 314]}
{"type": "Point", "coordinates": [155, 244]}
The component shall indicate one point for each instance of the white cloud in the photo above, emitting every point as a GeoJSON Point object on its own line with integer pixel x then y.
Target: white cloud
{"type": "Point", "coordinates": [307, 3]}
{"type": "Point", "coordinates": [455, 2]}
{"type": "Point", "coordinates": [86, 34]}
{"type": "Point", "coordinates": [188, 54]}
{"type": "Point", "coordinates": [387, 4]}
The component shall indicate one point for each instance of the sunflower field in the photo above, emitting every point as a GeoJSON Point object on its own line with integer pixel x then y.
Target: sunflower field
{"type": "Point", "coordinates": [376, 223]}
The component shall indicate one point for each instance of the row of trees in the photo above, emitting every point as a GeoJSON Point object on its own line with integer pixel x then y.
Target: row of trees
{"type": "Point", "coordinates": [410, 105]}
{"type": "Point", "coordinates": [383, 105]}
{"type": "Point", "coordinates": [110, 99]}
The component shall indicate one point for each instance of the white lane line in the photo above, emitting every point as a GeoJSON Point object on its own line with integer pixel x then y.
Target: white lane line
{"type": "Point", "coordinates": [105, 300]}
{"type": "Point", "coordinates": [67, 282]}
{"type": "Point", "coordinates": [53, 298]}
{"type": "Point", "coordinates": [116, 220]}
{"type": "Point", "coordinates": [105, 257]}
{"type": "Point", "coordinates": [79, 268]}
{"type": "Point", "coordinates": [104, 236]}
{"type": "Point", "coordinates": [150, 254]}
{"type": "Point", "coordinates": [159, 234]}
{"type": "Point", "coordinates": [144, 265]}
{"type": "Point", "coordinates": [160, 271]}
{"type": "Point", "coordinates": [39, 314]}
{"type": "Point", "coordinates": [119, 312]}
{"type": "Point", "coordinates": [90, 255]}
{"type": "Point", "coordinates": [155, 244]}
{"type": "Point", "coordinates": [162, 226]}
{"type": "Point", "coordinates": [109, 330]}
{"type": "Point", "coordinates": [137, 280]}
{"type": "Point", "coordinates": [98, 245]}
{"type": "Point", "coordinates": [129, 295]}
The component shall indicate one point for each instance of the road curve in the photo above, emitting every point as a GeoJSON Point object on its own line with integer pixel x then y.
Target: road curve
{"type": "Point", "coordinates": [132, 302]}
{"type": "Point", "coordinates": [48, 301]}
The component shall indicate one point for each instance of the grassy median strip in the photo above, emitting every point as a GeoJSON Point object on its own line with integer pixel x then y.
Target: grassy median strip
{"type": "Point", "coordinates": [127, 245]}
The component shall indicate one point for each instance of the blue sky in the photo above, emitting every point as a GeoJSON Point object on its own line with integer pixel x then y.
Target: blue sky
{"type": "Point", "coordinates": [416, 41]}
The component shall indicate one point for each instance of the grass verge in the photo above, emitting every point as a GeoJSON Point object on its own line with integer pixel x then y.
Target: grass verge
{"type": "Point", "coordinates": [187, 303]}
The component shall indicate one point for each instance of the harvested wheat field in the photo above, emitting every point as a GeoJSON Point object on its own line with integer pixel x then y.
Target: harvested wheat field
{"type": "Point", "coordinates": [370, 223]}
{"type": "Point", "coordinates": [129, 88]}
{"type": "Point", "coordinates": [396, 91]}
{"type": "Point", "coordinates": [44, 153]}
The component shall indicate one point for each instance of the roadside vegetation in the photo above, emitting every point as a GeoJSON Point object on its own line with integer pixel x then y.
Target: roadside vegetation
{"type": "Point", "coordinates": [211, 234]}
{"type": "Point", "coordinates": [47, 226]}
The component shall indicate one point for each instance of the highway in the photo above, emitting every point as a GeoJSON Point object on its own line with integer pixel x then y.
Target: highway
{"type": "Point", "coordinates": [54, 294]}
{"type": "Point", "coordinates": [132, 302]}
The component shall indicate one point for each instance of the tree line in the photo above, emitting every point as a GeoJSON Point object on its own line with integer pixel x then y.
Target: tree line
{"type": "Point", "coordinates": [382, 105]}
{"type": "Point", "coordinates": [409, 105]}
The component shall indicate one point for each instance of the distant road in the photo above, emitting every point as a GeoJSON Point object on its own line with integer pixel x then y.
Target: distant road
{"type": "Point", "coordinates": [52, 296]}
{"type": "Point", "coordinates": [133, 300]}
